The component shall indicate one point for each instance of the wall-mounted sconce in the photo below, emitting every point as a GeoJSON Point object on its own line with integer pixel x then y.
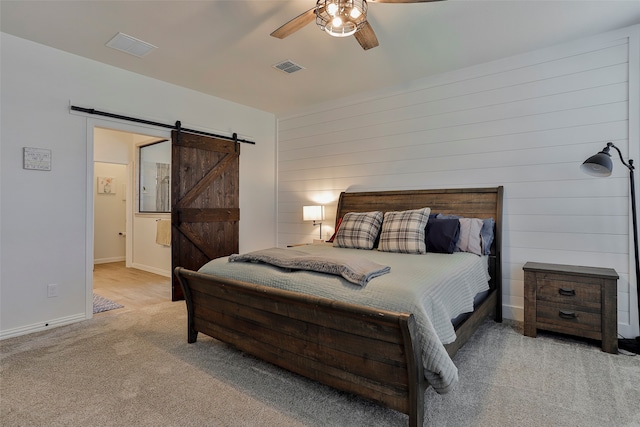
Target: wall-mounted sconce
{"type": "Point", "coordinates": [314, 213]}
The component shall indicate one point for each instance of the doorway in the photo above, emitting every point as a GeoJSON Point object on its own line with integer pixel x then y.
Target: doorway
{"type": "Point", "coordinates": [115, 267]}
{"type": "Point", "coordinates": [110, 212]}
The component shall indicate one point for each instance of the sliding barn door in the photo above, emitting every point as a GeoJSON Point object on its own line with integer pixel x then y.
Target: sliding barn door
{"type": "Point", "coordinates": [205, 208]}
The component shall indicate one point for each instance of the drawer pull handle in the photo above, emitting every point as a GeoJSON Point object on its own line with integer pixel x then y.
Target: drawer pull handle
{"type": "Point", "coordinates": [567, 292]}
{"type": "Point", "coordinates": [567, 314]}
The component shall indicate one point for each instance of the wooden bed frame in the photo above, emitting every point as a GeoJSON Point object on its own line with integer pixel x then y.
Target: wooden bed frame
{"type": "Point", "coordinates": [361, 350]}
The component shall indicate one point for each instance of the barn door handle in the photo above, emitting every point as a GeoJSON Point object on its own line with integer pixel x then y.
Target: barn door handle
{"type": "Point", "coordinates": [567, 314]}
{"type": "Point", "coordinates": [567, 292]}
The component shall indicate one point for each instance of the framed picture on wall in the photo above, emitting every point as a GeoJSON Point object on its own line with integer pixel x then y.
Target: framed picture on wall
{"type": "Point", "coordinates": [36, 159]}
{"type": "Point", "coordinates": [106, 185]}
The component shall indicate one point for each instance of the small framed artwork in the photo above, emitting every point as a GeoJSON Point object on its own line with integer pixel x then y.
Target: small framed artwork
{"type": "Point", "coordinates": [106, 185]}
{"type": "Point", "coordinates": [38, 159]}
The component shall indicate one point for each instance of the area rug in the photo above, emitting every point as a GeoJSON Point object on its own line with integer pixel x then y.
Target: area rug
{"type": "Point", "coordinates": [101, 304]}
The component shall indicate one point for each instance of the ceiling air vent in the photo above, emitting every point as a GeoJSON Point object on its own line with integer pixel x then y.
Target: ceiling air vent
{"type": "Point", "coordinates": [288, 66]}
{"type": "Point", "coordinates": [130, 45]}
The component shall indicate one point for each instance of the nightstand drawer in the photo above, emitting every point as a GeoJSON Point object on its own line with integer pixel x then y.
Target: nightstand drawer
{"type": "Point", "coordinates": [568, 319]}
{"type": "Point", "coordinates": [560, 290]}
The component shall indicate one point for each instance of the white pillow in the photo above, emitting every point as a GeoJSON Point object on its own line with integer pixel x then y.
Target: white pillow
{"type": "Point", "coordinates": [470, 240]}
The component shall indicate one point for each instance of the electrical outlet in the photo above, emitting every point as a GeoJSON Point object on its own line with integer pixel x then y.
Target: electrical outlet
{"type": "Point", "coordinates": [52, 290]}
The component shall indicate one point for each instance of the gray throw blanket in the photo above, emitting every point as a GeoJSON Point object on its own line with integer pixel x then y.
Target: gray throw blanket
{"type": "Point", "coordinates": [355, 269]}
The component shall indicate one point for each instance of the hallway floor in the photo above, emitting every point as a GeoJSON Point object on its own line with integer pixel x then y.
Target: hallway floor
{"type": "Point", "coordinates": [130, 287]}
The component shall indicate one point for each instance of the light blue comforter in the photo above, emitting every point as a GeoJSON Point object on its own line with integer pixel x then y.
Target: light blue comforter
{"type": "Point", "coordinates": [435, 288]}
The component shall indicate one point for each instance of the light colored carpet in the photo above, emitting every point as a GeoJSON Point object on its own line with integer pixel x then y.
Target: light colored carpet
{"type": "Point", "coordinates": [136, 369]}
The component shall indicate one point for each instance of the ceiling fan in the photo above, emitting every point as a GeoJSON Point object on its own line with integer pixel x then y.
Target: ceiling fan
{"type": "Point", "coordinates": [339, 18]}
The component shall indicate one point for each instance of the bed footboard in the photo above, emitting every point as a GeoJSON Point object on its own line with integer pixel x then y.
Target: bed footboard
{"type": "Point", "coordinates": [352, 348]}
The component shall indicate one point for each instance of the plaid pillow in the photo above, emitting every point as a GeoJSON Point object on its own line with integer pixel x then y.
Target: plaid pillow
{"type": "Point", "coordinates": [358, 230]}
{"type": "Point", "coordinates": [404, 231]}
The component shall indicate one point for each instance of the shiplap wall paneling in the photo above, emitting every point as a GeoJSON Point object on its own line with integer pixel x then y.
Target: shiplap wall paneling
{"type": "Point", "coordinates": [525, 122]}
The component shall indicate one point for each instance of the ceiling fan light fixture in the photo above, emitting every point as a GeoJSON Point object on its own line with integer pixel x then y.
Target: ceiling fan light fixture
{"type": "Point", "coordinates": [341, 18]}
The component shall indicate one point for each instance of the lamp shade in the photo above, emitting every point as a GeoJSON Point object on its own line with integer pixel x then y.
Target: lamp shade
{"type": "Point", "coordinates": [341, 18]}
{"type": "Point", "coordinates": [599, 164]}
{"type": "Point", "coordinates": [313, 213]}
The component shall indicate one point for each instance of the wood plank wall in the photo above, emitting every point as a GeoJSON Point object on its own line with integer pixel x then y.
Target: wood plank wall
{"type": "Point", "coordinates": [526, 122]}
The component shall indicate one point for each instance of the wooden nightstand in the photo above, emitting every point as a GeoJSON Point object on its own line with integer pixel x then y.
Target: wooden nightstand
{"type": "Point", "coordinates": [572, 300]}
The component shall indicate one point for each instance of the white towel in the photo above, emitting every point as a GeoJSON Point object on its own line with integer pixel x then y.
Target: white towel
{"type": "Point", "coordinates": [163, 232]}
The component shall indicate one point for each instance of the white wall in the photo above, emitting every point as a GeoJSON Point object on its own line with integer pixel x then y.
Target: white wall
{"type": "Point", "coordinates": [114, 146]}
{"type": "Point", "coordinates": [525, 122]}
{"type": "Point", "coordinates": [110, 213]}
{"type": "Point", "coordinates": [146, 254]}
{"type": "Point", "coordinates": [44, 226]}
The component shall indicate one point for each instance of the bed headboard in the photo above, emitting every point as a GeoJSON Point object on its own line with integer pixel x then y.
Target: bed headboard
{"type": "Point", "coordinates": [467, 202]}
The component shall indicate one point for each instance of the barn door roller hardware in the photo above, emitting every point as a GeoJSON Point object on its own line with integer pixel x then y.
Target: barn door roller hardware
{"type": "Point", "coordinates": [162, 125]}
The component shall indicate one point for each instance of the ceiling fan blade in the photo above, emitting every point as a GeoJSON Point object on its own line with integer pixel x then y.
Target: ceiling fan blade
{"type": "Point", "coordinates": [366, 37]}
{"type": "Point", "coordinates": [295, 24]}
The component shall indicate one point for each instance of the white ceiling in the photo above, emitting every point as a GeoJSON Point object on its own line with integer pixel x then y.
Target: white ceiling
{"type": "Point", "coordinates": [223, 48]}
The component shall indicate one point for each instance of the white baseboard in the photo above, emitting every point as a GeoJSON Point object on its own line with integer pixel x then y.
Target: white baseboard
{"type": "Point", "coordinates": [108, 260]}
{"type": "Point", "coordinates": [42, 326]}
{"type": "Point", "coordinates": [513, 312]}
{"type": "Point", "coordinates": [158, 271]}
